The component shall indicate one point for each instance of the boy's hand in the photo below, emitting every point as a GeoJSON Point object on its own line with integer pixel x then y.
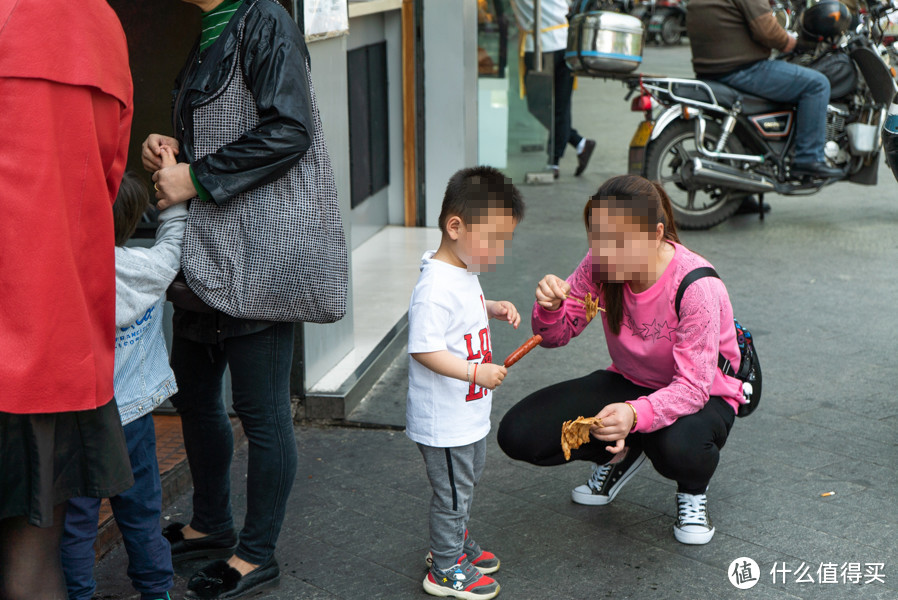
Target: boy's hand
{"type": "Point", "coordinates": [490, 376]}
{"type": "Point", "coordinates": [150, 153]}
{"type": "Point", "coordinates": [505, 311]}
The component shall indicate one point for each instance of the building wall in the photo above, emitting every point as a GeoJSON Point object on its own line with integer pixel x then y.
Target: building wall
{"type": "Point", "coordinates": [326, 345]}
{"type": "Point", "coordinates": [450, 38]}
{"type": "Point", "coordinates": [450, 95]}
{"type": "Point", "coordinates": [385, 207]}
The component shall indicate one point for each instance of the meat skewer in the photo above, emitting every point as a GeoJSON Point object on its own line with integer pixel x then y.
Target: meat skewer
{"type": "Point", "coordinates": [591, 304]}
{"type": "Point", "coordinates": [524, 349]}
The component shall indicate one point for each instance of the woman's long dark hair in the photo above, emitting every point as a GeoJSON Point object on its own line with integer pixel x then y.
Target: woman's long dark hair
{"type": "Point", "coordinates": [644, 202]}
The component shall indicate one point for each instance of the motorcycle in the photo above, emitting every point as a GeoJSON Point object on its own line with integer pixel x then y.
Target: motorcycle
{"type": "Point", "coordinates": [711, 145]}
{"type": "Point", "coordinates": [668, 21]}
{"type": "Point", "coordinates": [784, 13]}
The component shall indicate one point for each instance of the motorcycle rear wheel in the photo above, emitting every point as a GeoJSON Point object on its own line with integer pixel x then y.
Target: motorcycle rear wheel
{"type": "Point", "coordinates": [665, 157]}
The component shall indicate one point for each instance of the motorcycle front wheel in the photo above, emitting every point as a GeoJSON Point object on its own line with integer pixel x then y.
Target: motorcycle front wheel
{"type": "Point", "coordinates": [700, 208]}
{"type": "Point", "coordinates": [671, 31]}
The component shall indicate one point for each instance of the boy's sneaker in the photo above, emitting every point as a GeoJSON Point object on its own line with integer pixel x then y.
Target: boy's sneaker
{"type": "Point", "coordinates": [460, 581]}
{"type": "Point", "coordinates": [484, 561]}
{"type": "Point", "coordinates": [607, 480]}
{"type": "Point", "coordinates": [693, 524]}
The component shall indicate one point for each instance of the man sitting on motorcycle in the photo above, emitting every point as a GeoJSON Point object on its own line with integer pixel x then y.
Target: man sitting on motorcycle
{"type": "Point", "coordinates": [731, 42]}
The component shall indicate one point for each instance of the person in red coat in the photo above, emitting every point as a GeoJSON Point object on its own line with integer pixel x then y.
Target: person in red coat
{"type": "Point", "coordinates": [65, 119]}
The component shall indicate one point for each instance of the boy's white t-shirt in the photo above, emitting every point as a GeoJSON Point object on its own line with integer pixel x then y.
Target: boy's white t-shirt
{"type": "Point", "coordinates": [447, 312]}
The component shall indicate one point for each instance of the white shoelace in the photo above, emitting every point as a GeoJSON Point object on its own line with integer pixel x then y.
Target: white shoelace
{"type": "Point", "coordinates": [599, 474]}
{"type": "Point", "coordinates": [692, 509]}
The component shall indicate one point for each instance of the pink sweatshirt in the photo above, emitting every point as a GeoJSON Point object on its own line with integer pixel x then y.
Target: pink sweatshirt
{"type": "Point", "coordinates": [656, 349]}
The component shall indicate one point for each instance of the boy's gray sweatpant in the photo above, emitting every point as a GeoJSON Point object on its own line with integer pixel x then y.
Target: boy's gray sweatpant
{"type": "Point", "coordinates": [453, 473]}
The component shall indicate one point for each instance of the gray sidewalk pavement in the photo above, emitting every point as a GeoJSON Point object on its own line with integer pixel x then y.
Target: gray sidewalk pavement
{"type": "Point", "coordinates": [815, 283]}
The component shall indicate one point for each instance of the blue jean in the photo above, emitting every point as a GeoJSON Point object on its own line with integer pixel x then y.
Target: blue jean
{"type": "Point", "coordinates": [137, 512]}
{"type": "Point", "coordinates": [780, 81]}
{"type": "Point", "coordinates": [260, 382]}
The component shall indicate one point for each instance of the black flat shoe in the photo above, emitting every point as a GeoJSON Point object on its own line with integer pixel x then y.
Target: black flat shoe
{"type": "Point", "coordinates": [220, 581]}
{"type": "Point", "coordinates": [216, 545]}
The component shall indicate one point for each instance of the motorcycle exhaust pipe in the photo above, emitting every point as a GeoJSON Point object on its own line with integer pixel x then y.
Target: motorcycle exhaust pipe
{"type": "Point", "coordinates": [699, 172]}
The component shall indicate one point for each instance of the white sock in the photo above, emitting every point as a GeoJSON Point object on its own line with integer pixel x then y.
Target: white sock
{"type": "Point", "coordinates": [581, 145]}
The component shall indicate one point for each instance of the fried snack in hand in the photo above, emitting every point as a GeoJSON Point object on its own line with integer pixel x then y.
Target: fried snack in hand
{"type": "Point", "coordinates": [576, 433]}
{"type": "Point", "coordinates": [592, 307]}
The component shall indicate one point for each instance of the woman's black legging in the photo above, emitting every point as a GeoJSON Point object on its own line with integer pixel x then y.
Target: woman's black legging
{"type": "Point", "coordinates": [686, 451]}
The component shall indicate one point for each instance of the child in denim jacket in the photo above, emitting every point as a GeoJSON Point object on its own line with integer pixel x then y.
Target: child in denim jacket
{"type": "Point", "coordinates": [142, 380]}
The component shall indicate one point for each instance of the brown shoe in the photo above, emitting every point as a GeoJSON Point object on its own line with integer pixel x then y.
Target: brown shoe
{"type": "Point", "coordinates": [583, 157]}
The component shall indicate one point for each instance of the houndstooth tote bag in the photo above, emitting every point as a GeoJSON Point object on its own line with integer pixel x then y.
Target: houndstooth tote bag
{"type": "Point", "coordinates": [276, 252]}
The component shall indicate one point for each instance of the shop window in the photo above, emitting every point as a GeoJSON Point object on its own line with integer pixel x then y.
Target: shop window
{"type": "Point", "coordinates": [369, 135]}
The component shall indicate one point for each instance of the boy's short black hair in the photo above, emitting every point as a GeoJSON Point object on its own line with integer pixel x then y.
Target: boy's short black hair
{"type": "Point", "coordinates": [129, 206]}
{"type": "Point", "coordinates": [473, 191]}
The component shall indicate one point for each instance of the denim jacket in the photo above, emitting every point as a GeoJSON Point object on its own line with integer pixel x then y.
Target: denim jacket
{"type": "Point", "coordinates": [143, 378]}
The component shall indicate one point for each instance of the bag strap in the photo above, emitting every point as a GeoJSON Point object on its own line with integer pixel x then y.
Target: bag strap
{"type": "Point", "coordinates": [694, 275]}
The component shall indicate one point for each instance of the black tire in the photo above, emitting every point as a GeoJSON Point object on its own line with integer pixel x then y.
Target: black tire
{"type": "Point", "coordinates": [664, 161]}
{"type": "Point", "coordinates": [671, 31]}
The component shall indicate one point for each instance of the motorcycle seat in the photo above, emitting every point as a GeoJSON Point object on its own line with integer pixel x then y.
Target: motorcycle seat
{"type": "Point", "coordinates": [727, 97]}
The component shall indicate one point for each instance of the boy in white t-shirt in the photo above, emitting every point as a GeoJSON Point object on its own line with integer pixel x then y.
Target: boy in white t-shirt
{"type": "Point", "coordinates": [451, 372]}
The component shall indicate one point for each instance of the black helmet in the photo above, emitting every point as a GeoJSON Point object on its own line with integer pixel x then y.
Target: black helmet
{"type": "Point", "coordinates": [825, 19]}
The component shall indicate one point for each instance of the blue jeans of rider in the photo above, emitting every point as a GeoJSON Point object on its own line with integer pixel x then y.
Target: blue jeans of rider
{"type": "Point", "coordinates": [784, 82]}
{"type": "Point", "coordinates": [260, 382]}
{"type": "Point", "coordinates": [137, 512]}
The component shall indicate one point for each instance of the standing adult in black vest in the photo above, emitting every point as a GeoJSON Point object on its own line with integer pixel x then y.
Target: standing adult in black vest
{"type": "Point", "coordinates": [254, 165]}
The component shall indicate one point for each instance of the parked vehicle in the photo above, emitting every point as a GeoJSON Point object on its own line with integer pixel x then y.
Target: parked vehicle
{"type": "Point", "coordinates": [667, 23]}
{"type": "Point", "coordinates": [711, 145]}
{"type": "Point", "coordinates": [784, 13]}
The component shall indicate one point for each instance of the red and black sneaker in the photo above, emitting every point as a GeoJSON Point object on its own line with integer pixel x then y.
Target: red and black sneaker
{"type": "Point", "coordinates": [461, 580]}
{"type": "Point", "coordinates": [484, 561]}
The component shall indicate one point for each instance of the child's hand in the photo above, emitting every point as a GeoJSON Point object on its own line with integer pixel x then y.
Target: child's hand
{"type": "Point", "coordinates": [490, 376]}
{"type": "Point", "coordinates": [505, 311]}
{"type": "Point", "coordinates": [551, 291]}
{"type": "Point", "coordinates": [167, 153]}
{"type": "Point", "coordinates": [150, 153]}
{"type": "Point", "coordinates": [172, 181]}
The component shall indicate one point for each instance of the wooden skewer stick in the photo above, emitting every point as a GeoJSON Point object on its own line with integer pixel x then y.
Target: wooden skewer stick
{"type": "Point", "coordinates": [582, 301]}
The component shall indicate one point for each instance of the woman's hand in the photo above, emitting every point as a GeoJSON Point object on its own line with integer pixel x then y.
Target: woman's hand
{"type": "Point", "coordinates": [172, 182]}
{"type": "Point", "coordinates": [551, 292]}
{"type": "Point", "coordinates": [503, 310]}
{"type": "Point", "coordinates": [617, 421]}
{"type": "Point", "coordinates": [150, 150]}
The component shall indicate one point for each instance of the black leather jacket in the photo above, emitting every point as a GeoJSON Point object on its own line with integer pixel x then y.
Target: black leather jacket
{"type": "Point", "coordinates": [273, 58]}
